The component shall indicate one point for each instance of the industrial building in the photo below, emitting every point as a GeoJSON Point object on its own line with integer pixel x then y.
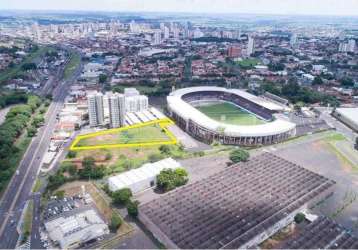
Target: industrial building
{"type": "Point", "coordinates": [141, 178]}
{"type": "Point", "coordinates": [348, 116]}
{"type": "Point", "coordinates": [81, 226]}
{"type": "Point", "coordinates": [322, 233]}
{"type": "Point", "coordinates": [238, 207]}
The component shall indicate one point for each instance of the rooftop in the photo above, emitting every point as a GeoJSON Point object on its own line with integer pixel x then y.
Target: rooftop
{"type": "Point", "coordinates": [230, 208]}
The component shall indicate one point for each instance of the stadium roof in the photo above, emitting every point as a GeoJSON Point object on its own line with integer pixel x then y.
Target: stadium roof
{"type": "Point", "coordinates": [229, 209]}
{"type": "Point", "coordinates": [187, 111]}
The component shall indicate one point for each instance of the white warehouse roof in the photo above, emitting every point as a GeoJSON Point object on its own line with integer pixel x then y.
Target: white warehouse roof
{"type": "Point", "coordinates": [350, 114]}
{"type": "Point", "coordinates": [187, 111]}
{"type": "Point", "coordinates": [139, 179]}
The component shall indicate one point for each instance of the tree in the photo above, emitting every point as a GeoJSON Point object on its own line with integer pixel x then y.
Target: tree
{"type": "Point", "coordinates": [108, 156]}
{"type": "Point", "coordinates": [88, 162]}
{"type": "Point", "coordinates": [102, 78]}
{"type": "Point", "coordinates": [347, 82]}
{"type": "Point", "coordinates": [60, 194]}
{"type": "Point", "coordinates": [239, 155]}
{"type": "Point", "coordinates": [90, 170]}
{"type": "Point", "coordinates": [31, 132]}
{"type": "Point", "coordinates": [317, 81]}
{"type": "Point", "coordinates": [28, 66]}
{"type": "Point", "coordinates": [116, 222]}
{"type": "Point", "coordinates": [121, 196]}
{"type": "Point", "coordinates": [165, 149]}
{"type": "Point", "coordinates": [71, 154]}
{"type": "Point", "coordinates": [132, 208]}
{"type": "Point", "coordinates": [300, 217]}
{"type": "Point", "coordinates": [168, 179]}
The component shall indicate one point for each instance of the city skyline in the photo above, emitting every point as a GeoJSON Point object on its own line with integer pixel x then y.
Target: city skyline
{"type": "Point", "coordinates": [289, 7]}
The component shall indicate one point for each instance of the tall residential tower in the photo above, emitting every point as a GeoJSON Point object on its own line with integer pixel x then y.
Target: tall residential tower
{"type": "Point", "coordinates": [95, 109]}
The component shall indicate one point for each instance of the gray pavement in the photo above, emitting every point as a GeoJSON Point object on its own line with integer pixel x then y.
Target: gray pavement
{"type": "Point", "coordinates": [333, 122]}
{"type": "Point", "coordinates": [314, 155]}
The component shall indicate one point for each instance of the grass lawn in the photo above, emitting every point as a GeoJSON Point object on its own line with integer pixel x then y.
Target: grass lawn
{"type": "Point", "coordinates": [150, 133]}
{"type": "Point", "coordinates": [75, 59]}
{"type": "Point", "coordinates": [27, 222]}
{"type": "Point", "coordinates": [248, 63]}
{"type": "Point", "coordinates": [230, 114]}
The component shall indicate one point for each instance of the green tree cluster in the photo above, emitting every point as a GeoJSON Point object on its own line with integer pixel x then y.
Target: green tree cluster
{"type": "Point", "coordinates": [90, 170]}
{"type": "Point", "coordinates": [169, 179]}
{"type": "Point", "coordinates": [121, 196]}
{"type": "Point", "coordinates": [116, 222]}
{"type": "Point", "coordinates": [13, 98]}
{"type": "Point", "coordinates": [14, 125]}
{"type": "Point", "coordinates": [239, 155]}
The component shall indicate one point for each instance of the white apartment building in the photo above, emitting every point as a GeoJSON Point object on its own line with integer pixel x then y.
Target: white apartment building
{"type": "Point", "coordinates": [250, 46]}
{"type": "Point", "coordinates": [95, 109]}
{"type": "Point", "coordinates": [116, 110]}
{"type": "Point", "coordinates": [136, 103]}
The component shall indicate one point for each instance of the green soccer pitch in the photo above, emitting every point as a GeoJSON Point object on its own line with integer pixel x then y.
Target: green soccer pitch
{"type": "Point", "coordinates": [230, 114]}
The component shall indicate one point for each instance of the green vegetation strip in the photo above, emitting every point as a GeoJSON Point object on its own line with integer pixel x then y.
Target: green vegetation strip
{"type": "Point", "coordinates": [20, 125]}
{"type": "Point", "coordinates": [70, 68]}
{"type": "Point", "coordinates": [27, 221]}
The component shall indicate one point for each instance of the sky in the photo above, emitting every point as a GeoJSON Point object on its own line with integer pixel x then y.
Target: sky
{"type": "Point", "coordinates": [304, 7]}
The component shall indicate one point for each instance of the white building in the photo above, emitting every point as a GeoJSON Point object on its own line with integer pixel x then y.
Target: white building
{"type": "Point", "coordinates": [348, 116]}
{"type": "Point", "coordinates": [95, 109]}
{"type": "Point", "coordinates": [74, 230]}
{"type": "Point", "coordinates": [250, 46]}
{"type": "Point", "coordinates": [293, 40]}
{"type": "Point", "coordinates": [136, 103]}
{"type": "Point", "coordinates": [131, 92]}
{"type": "Point", "coordinates": [166, 32]}
{"type": "Point", "coordinates": [141, 178]}
{"type": "Point", "coordinates": [351, 45]}
{"type": "Point", "coordinates": [117, 111]}
{"type": "Point", "coordinates": [157, 37]}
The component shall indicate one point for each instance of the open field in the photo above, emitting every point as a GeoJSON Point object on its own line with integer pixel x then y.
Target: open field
{"type": "Point", "coordinates": [139, 135]}
{"type": "Point", "coordinates": [136, 135]}
{"type": "Point", "coordinates": [230, 114]}
{"type": "Point", "coordinates": [248, 63]}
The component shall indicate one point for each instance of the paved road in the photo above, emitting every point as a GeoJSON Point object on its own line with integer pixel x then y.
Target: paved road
{"type": "Point", "coordinates": [3, 113]}
{"type": "Point", "coordinates": [333, 122]}
{"type": "Point", "coordinates": [19, 189]}
{"type": "Point", "coordinates": [36, 222]}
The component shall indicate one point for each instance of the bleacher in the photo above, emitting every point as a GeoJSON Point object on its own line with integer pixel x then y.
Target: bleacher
{"type": "Point", "coordinates": [229, 97]}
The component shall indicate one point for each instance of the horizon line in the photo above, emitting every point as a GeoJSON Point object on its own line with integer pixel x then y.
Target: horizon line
{"type": "Point", "coordinates": [176, 12]}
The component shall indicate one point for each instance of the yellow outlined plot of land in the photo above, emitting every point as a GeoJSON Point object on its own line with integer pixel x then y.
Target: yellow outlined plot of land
{"type": "Point", "coordinates": [162, 124]}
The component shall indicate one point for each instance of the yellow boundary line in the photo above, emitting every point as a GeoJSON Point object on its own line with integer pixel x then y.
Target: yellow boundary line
{"type": "Point", "coordinates": [163, 123]}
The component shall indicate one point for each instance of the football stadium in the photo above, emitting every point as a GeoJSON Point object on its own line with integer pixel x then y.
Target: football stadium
{"type": "Point", "coordinates": [229, 116]}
